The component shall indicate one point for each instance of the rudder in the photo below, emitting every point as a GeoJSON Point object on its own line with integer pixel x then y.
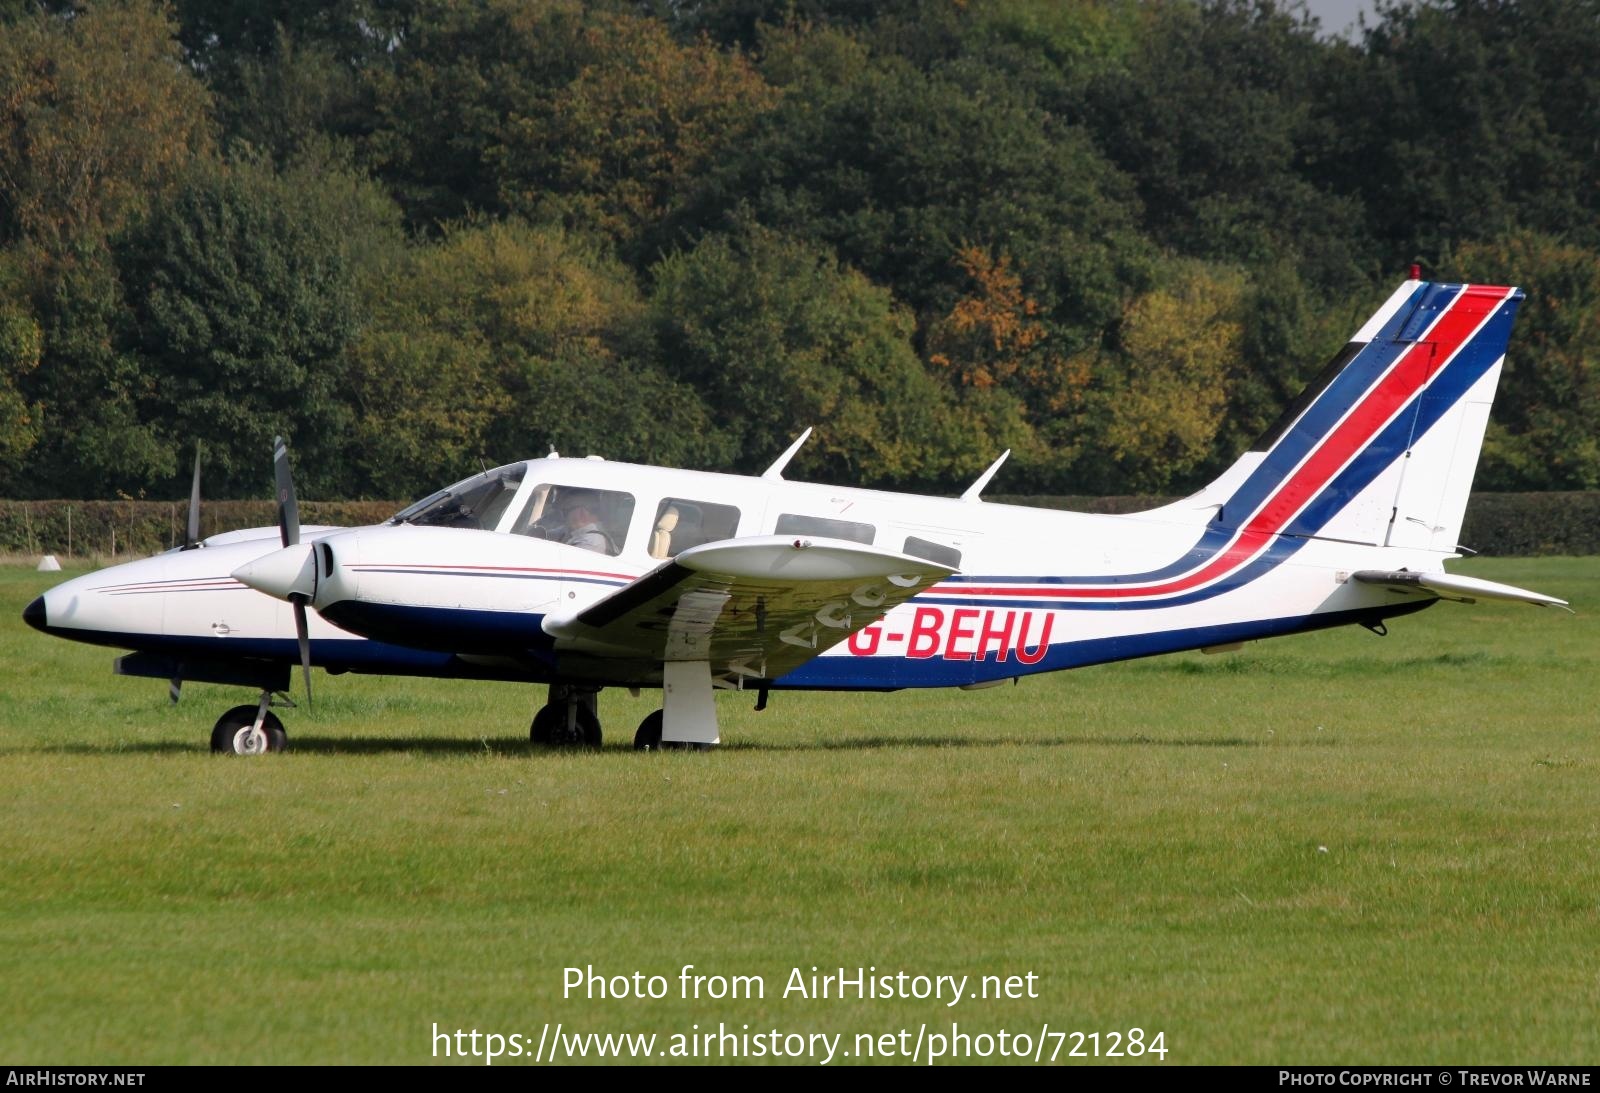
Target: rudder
{"type": "Point", "coordinates": [1381, 448]}
{"type": "Point", "coordinates": [1448, 353]}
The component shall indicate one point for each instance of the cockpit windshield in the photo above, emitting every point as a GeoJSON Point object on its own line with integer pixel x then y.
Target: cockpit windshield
{"type": "Point", "coordinates": [580, 516]}
{"type": "Point", "coordinates": [478, 502]}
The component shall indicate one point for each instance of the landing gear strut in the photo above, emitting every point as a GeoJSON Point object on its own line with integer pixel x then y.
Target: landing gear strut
{"type": "Point", "coordinates": [568, 719]}
{"type": "Point", "coordinates": [249, 730]}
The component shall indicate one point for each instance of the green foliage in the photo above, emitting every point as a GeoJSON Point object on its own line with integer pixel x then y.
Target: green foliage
{"type": "Point", "coordinates": [779, 335]}
{"type": "Point", "coordinates": [97, 114]}
{"type": "Point", "coordinates": [1215, 115]}
{"type": "Point", "coordinates": [743, 22]}
{"type": "Point", "coordinates": [1015, 387]}
{"type": "Point", "coordinates": [1162, 394]}
{"type": "Point", "coordinates": [1069, 37]}
{"type": "Point", "coordinates": [1482, 116]}
{"type": "Point", "coordinates": [217, 34]}
{"type": "Point", "coordinates": [21, 345]}
{"type": "Point", "coordinates": [898, 169]}
{"type": "Point", "coordinates": [1522, 524]}
{"type": "Point", "coordinates": [93, 440]}
{"type": "Point", "coordinates": [1288, 334]}
{"type": "Point", "coordinates": [299, 95]}
{"type": "Point", "coordinates": [440, 111]}
{"type": "Point", "coordinates": [614, 149]}
{"type": "Point", "coordinates": [502, 338]}
{"type": "Point", "coordinates": [1034, 203]}
{"type": "Point", "coordinates": [19, 419]}
{"type": "Point", "coordinates": [556, 110]}
{"type": "Point", "coordinates": [240, 302]}
{"type": "Point", "coordinates": [1545, 432]}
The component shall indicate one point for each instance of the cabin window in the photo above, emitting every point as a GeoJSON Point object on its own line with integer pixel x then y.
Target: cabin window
{"type": "Point", "coordinates": [592, 519]}
{"type": "Point", "coordinates": [479, 502]}
{"type": "Point", "coordinates": [822, 526]}
{"type": "Point", "coordinates": [682, 523]}
{"type": "Point", "coordinates": [934, 552]}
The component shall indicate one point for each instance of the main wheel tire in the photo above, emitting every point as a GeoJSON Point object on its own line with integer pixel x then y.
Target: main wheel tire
{"type": "Point", "coordinates": [231, 735]}
{"type": "Point", "coordinates": [648, 738]}
{"type": "Point", "coordinates": [549, 728]}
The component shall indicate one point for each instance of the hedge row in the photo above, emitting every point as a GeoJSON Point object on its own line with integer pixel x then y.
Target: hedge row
{"type": "Point", "coordinates": [118, 529]}
{"type": "Point", "coordinates": [1497, 523]}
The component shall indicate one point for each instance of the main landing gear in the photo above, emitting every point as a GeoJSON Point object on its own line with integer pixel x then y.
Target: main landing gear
{"type": "Point", "coordinates": [568, 719]}
{"type": "Point", "coordinates": [687, 719]}
{"type": "Point", "coordinates": [250, 730]}
{"type": "Point", "coordinates": [648, 738]}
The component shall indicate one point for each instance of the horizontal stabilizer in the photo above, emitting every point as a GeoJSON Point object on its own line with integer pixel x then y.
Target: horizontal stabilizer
{"type": "Point", "coordinates": [1450, 587]}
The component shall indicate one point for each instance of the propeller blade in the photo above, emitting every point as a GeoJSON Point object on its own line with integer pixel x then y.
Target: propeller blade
{"type": "Point", "coordinates": [288, 507]}
{"type": "Point", "coordinates": [175, 688]}
{"type": "Point", "coordinates": [192, 534]}
{"type": "Point", "coordinates": [303, 633]}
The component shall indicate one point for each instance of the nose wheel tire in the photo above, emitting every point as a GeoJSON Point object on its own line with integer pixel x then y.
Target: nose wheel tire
{"type": "Point", "coordinates": [551, 728]}
{"type": "Point", "coordinates": [232, 734]}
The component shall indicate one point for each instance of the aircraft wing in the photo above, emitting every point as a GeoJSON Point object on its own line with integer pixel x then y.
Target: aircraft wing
{"type": "Point", "coordinates": [757, 607]}
{"type": "Point", "coordinates": [1451, 587]}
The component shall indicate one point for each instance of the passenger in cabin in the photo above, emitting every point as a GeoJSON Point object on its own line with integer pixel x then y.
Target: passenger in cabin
{"type": "Point", "coordinates": [583, 527]}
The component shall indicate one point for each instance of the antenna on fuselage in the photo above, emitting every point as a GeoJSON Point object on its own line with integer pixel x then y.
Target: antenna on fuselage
{"type": "Point", "coordinates": [983, 479]}
{"type": "Point", "coordinates": [775, 472]}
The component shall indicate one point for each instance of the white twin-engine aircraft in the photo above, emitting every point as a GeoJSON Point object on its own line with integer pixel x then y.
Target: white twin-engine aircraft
{"type": "Point", "coordinates": [584, 574]}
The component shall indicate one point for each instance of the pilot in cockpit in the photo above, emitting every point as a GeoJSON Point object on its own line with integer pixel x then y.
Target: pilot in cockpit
{"type": "Point", "coordinates": [583, 527]}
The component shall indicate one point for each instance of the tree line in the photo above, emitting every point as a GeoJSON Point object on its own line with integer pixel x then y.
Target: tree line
{"type": "Point", "coordinates": [415, 236]}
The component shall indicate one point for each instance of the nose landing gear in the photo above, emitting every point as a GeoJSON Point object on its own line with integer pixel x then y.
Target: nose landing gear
{"type": "Point", "coordinates": [249, 730]}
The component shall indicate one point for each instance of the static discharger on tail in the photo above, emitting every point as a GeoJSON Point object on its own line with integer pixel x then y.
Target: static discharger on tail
{"type": "Point", "coordinates": [582, 574]}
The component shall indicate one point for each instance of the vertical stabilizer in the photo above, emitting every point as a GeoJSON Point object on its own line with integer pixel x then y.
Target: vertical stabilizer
{"type": "Point", "coordinates": [1382, 447]}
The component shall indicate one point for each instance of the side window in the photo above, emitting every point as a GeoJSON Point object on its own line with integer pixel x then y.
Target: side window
{"type": "Point", "coordinates": [789, 524]}
{"type": "Point", "coordinates": [934, 552]}
{"type": "Point", "coordinates": [594, 520]}
{"type": "Point", "coordinates": [681, 524]}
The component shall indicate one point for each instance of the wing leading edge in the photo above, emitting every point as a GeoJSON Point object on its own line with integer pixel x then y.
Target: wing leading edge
{"type": "Point", "coordinates": [754, 608]}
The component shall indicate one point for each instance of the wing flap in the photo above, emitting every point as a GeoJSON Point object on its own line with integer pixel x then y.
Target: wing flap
{"type": "Point", "coordinates": [757, 607]}
{"type": "Point", "coordinates": [1451, 587]}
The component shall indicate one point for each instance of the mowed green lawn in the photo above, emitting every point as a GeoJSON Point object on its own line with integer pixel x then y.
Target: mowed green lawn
{"type": "Point", "coordinates": [1326, 848]}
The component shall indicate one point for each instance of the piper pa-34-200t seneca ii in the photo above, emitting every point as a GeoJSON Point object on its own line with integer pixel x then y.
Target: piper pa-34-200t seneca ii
{"type": "Point", "coordinates": [583, 574]}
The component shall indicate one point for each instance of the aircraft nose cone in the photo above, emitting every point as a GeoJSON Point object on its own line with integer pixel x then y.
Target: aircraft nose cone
{"type": "Point", "coordinates": [291, 570]}
{"type": "Point", "coordinates": [34, 614]}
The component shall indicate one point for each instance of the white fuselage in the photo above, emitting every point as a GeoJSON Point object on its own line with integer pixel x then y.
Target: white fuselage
{"type": "Point", "coordinates": [1037, 589]}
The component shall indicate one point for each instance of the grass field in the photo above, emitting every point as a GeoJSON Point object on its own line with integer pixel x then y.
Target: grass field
{"type": "Point", "coordinates": [1331, 848]}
